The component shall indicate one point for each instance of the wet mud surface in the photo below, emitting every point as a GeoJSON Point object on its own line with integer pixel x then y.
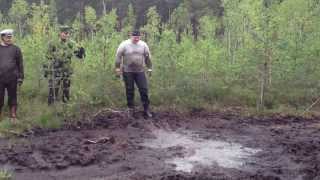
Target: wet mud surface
{"type": "Point", "coordinates": [115, 147]}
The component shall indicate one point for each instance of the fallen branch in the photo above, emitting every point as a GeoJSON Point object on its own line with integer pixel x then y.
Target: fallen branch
{"type": "Point", "coordinates": [18, 134]}
{"type": "Point", "coordinates": [308, 109]}
{"type": "Point", "coordinates": [100, 140]}
{"type": "Point", "coordinates": [107, 110]}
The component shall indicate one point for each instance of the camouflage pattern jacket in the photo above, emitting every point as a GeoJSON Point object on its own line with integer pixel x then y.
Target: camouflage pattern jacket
{"type": "Point", "coordinates": [59, 57]}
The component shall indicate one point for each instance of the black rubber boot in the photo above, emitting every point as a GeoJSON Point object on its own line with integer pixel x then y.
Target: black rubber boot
{"type": "Point", "coordinates": [131, 112]}
{"type": "Point", "coordinates": [146, 112]}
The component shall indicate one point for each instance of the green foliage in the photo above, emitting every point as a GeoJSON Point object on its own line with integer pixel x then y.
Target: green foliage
{"type": "Point", "coordinates": [153, 26]}
{"type": "Point", "coordinates": [107, 23]}
{"type": "Point", "coordinates": [208, 27]}
{"type": "Point", "coordinates": [129, 21]}
{"type": "Point", "coordinates": [180, 20]}
{"type": "Point", "coordinates": [5, 175]}
{"type": "Point", "coordinates": [53, 18]}
{"type": "Point", "coordinates": [90, 18]}
{"type": "Point", "coordinates": [39, 22]}
{"type": "Point", "coordinates": [18, 13]}
{"type": "Point", "coordinates": [271, 50]}
{"type": "Point", "coordinates": [77, 26]}
{"type": "Point", "coordinates": [274, 38]}
{"type": "Point", "coordinates": [1, 17]}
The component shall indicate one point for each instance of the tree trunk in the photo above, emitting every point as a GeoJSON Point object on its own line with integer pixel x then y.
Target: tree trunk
{"type": "Point", "coordinates": [263, 84]}
{"type": "Point", "coordinates": [105, 42]}
{"type": "Point", "coordinates": [195, 26]}
{"type": "Point", "coordinates": [20, 28]}
{"type": "Point", "coordinates": [104, 5]}
{"type": "Point", "coordinates": [82, 20]}
{"type": "Point", "coordinates": [269, 60]}
{"type": "Point", "coordinates": [265, 80]}
{"type": "Point", "coordinates": [179, 34]}
{"type": "Point", "coordinates": [229, 45]}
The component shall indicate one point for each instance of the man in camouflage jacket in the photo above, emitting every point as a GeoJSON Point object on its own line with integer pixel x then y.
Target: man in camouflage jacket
{"type": "Point", "coordinates": [58, 69]}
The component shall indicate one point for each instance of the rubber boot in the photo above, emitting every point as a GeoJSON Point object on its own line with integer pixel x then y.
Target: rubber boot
{"type": "Point", "coordinates": [131, 112]}
{"type": "Point", "coordinates": [146, 112]}
{"type": "Point", "coordinates": [13, 114]}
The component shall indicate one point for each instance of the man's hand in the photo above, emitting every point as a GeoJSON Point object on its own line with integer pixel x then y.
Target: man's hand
{"type": "Point", "coordinates": [80, 53]}
{"type": "Point", "coordinates": [118, 72]}
{"type": "Point", "coordinates": [20, 82]}
{"type": "Point", "coordinates": [149, 72]}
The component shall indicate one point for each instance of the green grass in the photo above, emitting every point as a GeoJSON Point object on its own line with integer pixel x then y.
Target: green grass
{"type": "Point", "coordinates": [31, 113]}
{"type": "Point", "coordinates": [5, 175]}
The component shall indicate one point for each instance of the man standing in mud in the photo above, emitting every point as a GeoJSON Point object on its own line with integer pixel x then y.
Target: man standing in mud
{"type": "Point", "coordinates": [131, 58]}
{"type": "Point", "coordinates": [11, 71]}
{"type": "Point", "coordinates": [58, 68]}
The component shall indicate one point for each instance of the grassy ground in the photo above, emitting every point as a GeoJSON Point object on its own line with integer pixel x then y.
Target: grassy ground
{"type": "Point", "coordinates": [5, 175]}
{"type": "Point", "coordinates": [37, 114]}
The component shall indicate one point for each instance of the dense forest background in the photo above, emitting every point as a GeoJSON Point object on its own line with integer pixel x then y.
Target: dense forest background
{"type": "Point", "coordinates": [68, 10]}
{"type": "Point", "coordinates": [254, 53]}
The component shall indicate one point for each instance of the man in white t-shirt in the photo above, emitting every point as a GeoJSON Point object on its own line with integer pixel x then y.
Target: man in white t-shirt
{"type": "Point", "coordinates": [133, 56]}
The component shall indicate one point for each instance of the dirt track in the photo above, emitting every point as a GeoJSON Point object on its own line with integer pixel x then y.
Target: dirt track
{"type": "Point", "coordinates": [112, 147]}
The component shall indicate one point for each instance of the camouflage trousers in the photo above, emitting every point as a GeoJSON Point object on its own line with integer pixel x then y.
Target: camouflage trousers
{"type": "Point", "coordinates": [55, 85]}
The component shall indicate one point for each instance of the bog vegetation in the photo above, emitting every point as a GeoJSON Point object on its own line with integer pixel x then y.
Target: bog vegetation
{"type": "Point", "coordinates": [259, 53]}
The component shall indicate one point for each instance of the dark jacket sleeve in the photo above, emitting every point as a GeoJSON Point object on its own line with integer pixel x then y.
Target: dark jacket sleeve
{"type": "Point", "coordinates": [19, 60]}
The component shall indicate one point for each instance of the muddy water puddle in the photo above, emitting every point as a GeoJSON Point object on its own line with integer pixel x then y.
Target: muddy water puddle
{"type": "Point", "coordinates": [192, 151]}
{"type": "Point", "coordinates": [172, 147]}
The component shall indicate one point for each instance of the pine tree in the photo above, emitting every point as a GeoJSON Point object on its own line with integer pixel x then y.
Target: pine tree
{"type": "Point", "coordinates": [1, 18]}
{"type": "Point", "coordinates": [129, 21]}
{"type": "Point", "coordinates": [208, 27]}
{"type": "Point", "coordinates": [18, 13]}
{"type": "Point", "coordinates": [53, 12]}
{"type": "Point", "coordinates": [39, 22]}
{"type": "Point", "coordinates": [180, 21]}
{"type": "Point", "coordinates": [90, 19]}
{"type": "Point", "coordinates": [153, 26]}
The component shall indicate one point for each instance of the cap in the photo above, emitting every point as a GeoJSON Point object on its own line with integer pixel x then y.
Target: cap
{"type": "Point", "coordinates": [65, 28]}
{"type": "Point", "coordinates": [135, 33]}
{"type": "Point", "coordinates": [7, 32]}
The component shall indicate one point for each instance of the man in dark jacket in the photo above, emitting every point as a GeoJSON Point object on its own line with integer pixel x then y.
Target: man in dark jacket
{"type": "Point", "coordinates": [133, 55]}
{"type": "Point", "coordinates": [11, 71]}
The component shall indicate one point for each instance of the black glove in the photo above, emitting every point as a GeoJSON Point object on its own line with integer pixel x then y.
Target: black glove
{"type": "Point", "coordinates": [57, 64]}
{"type": "Point", "coordinates": [80, 53]}
{"type": "Point", "coordinates": [45, 70]}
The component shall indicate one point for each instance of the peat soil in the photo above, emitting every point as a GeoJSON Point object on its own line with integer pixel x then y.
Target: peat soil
{"type": "Point", "coordinates": [112, 146]}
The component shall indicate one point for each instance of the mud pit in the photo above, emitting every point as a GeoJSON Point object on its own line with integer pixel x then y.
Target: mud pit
{"type": "Point", "coordinates": [192, 146]}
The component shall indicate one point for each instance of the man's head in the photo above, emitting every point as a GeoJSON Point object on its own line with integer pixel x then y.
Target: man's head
{"type": "Point", "coordinates": [64, 32]}
{"type": "Point", "coordinates": [135, 36]}
{"type": "Point", "coordinates": [6, 36]}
